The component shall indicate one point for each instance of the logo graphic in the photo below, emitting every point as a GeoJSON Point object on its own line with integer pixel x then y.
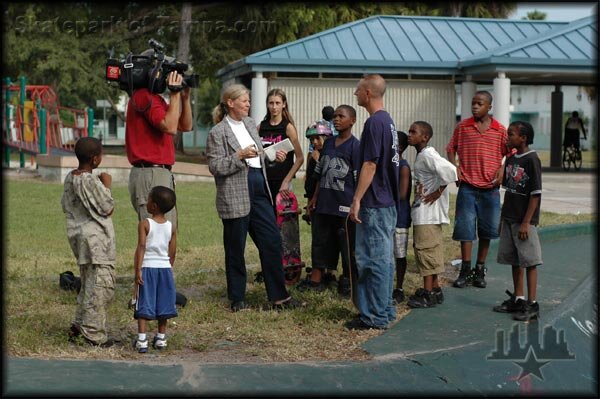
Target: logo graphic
{"type": "Point", "coordinates": [532, 356]}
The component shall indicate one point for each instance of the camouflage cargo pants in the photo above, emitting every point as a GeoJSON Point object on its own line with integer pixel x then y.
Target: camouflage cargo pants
{"type": "Point", "coordinates": [97, 290]}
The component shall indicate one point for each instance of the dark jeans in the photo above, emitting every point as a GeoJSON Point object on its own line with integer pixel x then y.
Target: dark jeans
{"type": "Point", "coordinates": [329, 242]}
{"type": "Point", "coordinates": [261, 225]}
{"type": "Point", "coordinates": [274, 186]}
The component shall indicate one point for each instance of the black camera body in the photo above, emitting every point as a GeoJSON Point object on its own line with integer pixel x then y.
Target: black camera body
{"type": "Point", "coordinates": [148, 71]}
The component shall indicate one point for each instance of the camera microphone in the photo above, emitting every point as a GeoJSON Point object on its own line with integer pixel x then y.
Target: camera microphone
{"type": "Point", "coordinates": [156, 45]}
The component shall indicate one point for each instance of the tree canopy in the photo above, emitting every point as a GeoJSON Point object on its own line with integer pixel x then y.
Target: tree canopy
{"type": "Point", "coordinates": [66, 45]}
{"type": "Point", "coordinates": [535, 15]}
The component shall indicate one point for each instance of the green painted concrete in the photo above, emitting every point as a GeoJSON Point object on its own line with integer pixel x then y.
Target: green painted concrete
{"type": "Point", "coordinates": [439, 351]}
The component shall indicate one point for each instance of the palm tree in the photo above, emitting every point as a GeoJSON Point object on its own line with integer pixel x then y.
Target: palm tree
{"type": "Point", "coordinates": [535, 15]}
{"type": "Point", "coordinates": [478, 9]}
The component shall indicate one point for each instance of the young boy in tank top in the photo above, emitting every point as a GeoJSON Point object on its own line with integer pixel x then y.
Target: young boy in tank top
{"type": "Point", "coordinates": [154, 259]}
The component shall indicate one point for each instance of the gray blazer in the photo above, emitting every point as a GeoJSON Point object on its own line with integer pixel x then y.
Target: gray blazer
{"type": "Point", "coordinates": [231, 173]}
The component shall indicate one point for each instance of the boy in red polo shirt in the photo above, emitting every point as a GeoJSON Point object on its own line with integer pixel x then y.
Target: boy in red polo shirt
{"type": "Point", "coordinates": [480, 143]}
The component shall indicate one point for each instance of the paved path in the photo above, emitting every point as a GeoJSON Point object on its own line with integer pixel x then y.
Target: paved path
{"type": "Point", "coordinates": [440, 351]}
{"type": "Point", "coordinates": [565, 192]}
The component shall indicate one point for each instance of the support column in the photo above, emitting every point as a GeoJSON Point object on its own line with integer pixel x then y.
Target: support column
{"type": "Point", "coordinates": [556, 119]}
{"type": "Point", "coordinates": [22, 95]}
{"type": "Point", "coordinates": [42, 136]}
{"type": "Point", "coordinates": [258, 99]}
{"type": "Point", "coordinates": [8, 117]}
{"type": "Point", "coordinates": [90, 122]}
{"type": "Point", "coordinates": [501, 103]}
{"type": "Point", "coordinates": [467, 91]}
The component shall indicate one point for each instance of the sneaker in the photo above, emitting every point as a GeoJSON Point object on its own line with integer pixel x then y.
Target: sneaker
{"type": "Point", "coordinates": [291, 303]}
{"type": "Point", "coordinates": [308, 285]}
{"type": "Point", "coordinates": [511, 305]}
{"type": "Point", "coordinates": [329, 280]}
{"type": "Point", "coordinates": [76, 337]}
{"type": "Point", "coordinates": [344, 288]}
{"type": "Point", "coordinates": [237, 306]}
{"type": "Point", "coordinates": [140, 346]}
{"type": "Point", "coordinates": [421, 299]}
{"type": "Point", "coordinates": [528, 312]}
{"type": "Point", "coordinates": [73, 333]}
{"type": "Point", "coordinates": [358, 324]}
{"type": "Point", "coordinates": [438, 295]}
{"type": "Point", "coordinates": [106, 344]}
{"type": "Point", "coordinates": [479, 276]}
{"type": "Point", "coordinates": [464, 277]}
{"type": "Point", "coordinates": [398, 295]}
{"type": "Point", "coordinates": [159, 343]}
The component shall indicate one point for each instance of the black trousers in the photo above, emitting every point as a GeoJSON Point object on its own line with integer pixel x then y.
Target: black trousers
{"type": "Point", "coordinates": [261, 225]}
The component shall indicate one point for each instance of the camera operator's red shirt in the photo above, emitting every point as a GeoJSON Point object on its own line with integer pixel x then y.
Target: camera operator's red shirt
{"type": "Point", "coordinates": [144, 141]}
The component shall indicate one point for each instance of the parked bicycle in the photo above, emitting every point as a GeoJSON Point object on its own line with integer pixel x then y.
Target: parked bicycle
{"type": "Point", "coordinates": [571, 156]}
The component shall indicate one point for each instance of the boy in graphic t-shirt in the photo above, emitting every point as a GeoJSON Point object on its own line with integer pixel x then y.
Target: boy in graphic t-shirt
{"type": "Point", "coordinates": [336, 174]}
{"type": "Point", "coordinates": [519, 242]}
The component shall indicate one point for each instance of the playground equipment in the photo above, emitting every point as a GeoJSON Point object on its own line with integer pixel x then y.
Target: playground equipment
{"type": "Point", "coordinates": [35, 122]}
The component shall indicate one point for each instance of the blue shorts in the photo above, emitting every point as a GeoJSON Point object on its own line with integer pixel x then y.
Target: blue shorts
{"type": "Point", "coordinates": [477, 213]}
{"type": "Point", "coordinates": [156, 298]}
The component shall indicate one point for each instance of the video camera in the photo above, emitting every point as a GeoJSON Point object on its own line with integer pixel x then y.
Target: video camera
{"type": "Point", "coordinates": [148, 70]}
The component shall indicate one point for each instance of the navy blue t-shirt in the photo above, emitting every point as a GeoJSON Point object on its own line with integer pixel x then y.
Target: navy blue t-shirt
{"type": "Point", "coordinates": [337, 172]}
{"type": "Point", "coordinates": [379, 144]}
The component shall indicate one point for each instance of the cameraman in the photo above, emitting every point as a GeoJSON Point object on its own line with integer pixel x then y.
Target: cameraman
{"type": "Point", "coordinates": [150, 127]}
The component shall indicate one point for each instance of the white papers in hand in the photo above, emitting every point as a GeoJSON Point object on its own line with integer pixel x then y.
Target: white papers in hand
{"type": "Point", "coordinates": [271, 151]}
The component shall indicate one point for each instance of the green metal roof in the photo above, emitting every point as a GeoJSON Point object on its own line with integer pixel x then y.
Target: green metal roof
{"type": "Point", "coordinates": [428, 45]}
{"type": "Point", "coordinates": [573, 44]}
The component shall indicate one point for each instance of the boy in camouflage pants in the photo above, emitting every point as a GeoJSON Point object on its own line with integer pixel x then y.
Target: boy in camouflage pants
{"type": "Point", "coordinates": [88, 204]}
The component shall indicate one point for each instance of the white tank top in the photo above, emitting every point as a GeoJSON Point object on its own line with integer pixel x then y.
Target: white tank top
{"type": "Point", "coordinates": [157, 245]}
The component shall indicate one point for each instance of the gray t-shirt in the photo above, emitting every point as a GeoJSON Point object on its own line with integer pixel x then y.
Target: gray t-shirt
{"type": "Point", "coordinates": [87, 204]}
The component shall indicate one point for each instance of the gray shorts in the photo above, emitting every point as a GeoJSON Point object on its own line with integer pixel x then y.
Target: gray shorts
{"type": "Point", "coordinates": [400, 242]}
{"type": "Point", "coordinates": [516, 252]}
{"type": "Point", "coordinates": [141, 181]}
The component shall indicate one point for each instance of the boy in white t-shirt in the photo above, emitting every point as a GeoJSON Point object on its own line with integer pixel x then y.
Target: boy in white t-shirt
{"type": "Point", "coordinates": [154, 259]}
{"type": "Point", "coordinates": [429, 211]}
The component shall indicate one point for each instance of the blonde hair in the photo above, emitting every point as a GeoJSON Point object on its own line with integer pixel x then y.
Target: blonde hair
{"type": "Point", "coordinates": [285, 113]}
{"type": "Point", "coordinates": [230, 93]}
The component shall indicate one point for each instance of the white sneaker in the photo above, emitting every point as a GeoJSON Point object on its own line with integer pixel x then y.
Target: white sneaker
{"type": "Point", "coordinates": [158, 343]}
{"type": "Point", "coordinates": [141, 346]}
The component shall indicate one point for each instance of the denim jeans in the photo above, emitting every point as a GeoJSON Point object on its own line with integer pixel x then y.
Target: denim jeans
{"type": "Point", "coordinates": [375, 265]}
{"type": "Point", "coordinates": [477, 213]}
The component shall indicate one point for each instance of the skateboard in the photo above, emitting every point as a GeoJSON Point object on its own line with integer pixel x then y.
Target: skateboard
{"type": "Point", "coordinates": [348, 253]}
{"type": "Point", "coordinates": [287, 220]}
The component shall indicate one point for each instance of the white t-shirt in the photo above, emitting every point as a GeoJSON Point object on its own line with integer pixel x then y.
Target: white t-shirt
{"type": "Point", "coordinates": [431, 171]}
{"type": "Point", "coordinates": [157, 245]}
{"type": "Point", "coordinates": [244, 139]}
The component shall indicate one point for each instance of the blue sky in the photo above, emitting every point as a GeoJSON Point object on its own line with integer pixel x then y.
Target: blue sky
{"type": "Point", "coordinates": [557, 11]}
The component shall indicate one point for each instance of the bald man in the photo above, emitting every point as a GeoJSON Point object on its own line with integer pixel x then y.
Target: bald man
{"type": "Point", "coordinates": [373, 209]}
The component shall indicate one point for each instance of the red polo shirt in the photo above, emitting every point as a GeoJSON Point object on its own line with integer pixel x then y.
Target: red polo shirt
{"type": "Point", "coordinates": [480, 155]}
{"type": "Point", "coordinates": [144, 141]}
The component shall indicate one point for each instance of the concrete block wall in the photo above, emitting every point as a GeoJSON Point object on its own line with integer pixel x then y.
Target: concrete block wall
{"type": "Point", "coordinates": [55, 168]}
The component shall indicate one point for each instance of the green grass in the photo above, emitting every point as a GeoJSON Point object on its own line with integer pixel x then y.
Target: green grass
{"type": "Point", "coordinates": [38, 313]}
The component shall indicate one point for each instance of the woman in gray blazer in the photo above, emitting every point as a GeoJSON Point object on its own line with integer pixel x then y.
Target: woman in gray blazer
{"type": "Point", "coordinates": [236, 160]}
